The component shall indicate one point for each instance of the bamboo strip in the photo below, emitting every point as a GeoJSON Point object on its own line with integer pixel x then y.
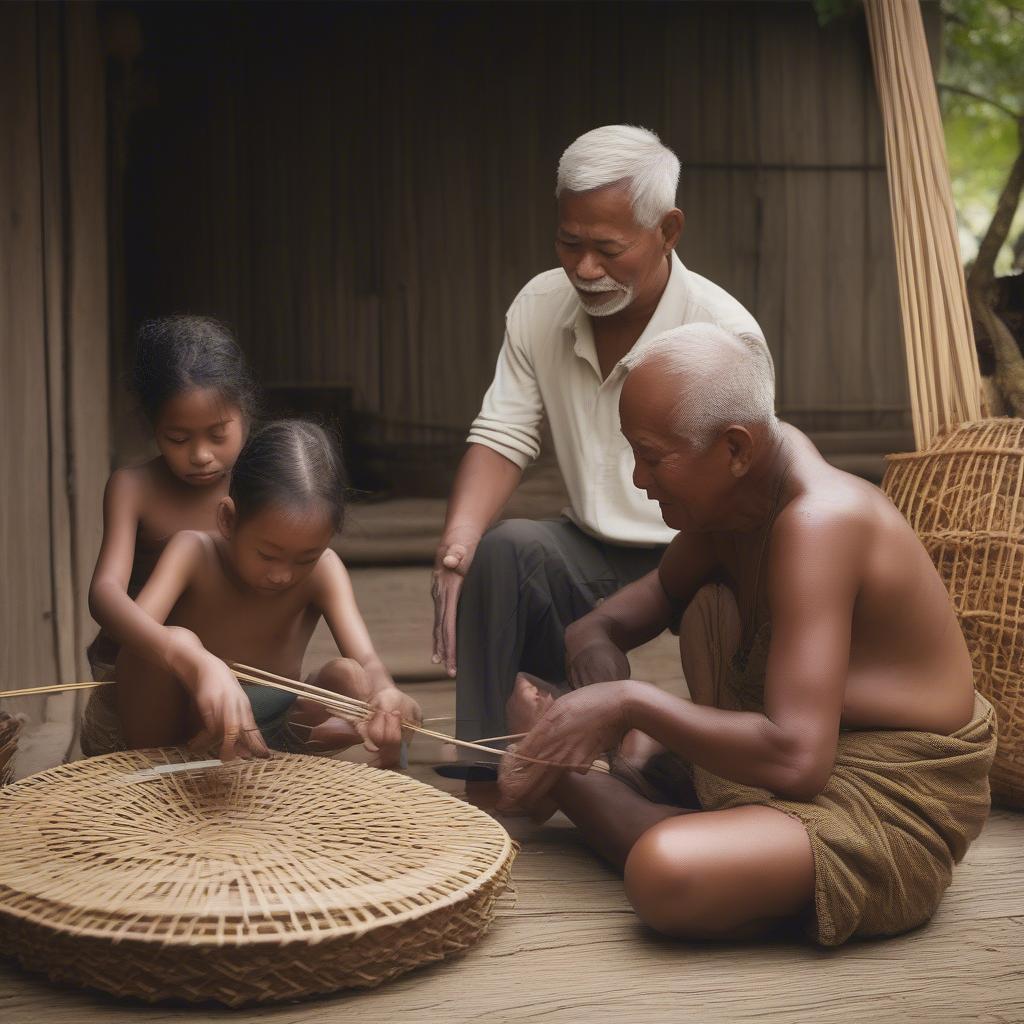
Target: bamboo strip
{"type": "Point", "coordinates": [344, 706]}
{"type": "Point", "coordinates": [31, 691]}
{"type": "Point", "coordinates": [264, 678]}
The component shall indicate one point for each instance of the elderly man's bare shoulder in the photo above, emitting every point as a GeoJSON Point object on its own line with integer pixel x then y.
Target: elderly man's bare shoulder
{"type": "Point", "coordinates": [830, 507]}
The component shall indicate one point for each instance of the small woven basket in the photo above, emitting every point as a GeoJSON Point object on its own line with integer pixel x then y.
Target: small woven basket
{"type": "Point", "coordinates": [964, 496]}
{"type": "Point", "coordinates": [10, 730]}
{"type": "Point", "coordinates": [248, 882]}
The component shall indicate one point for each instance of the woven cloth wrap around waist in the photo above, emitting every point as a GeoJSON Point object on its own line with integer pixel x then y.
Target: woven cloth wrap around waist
{"type": "Point", "coordinates": [899, 810]}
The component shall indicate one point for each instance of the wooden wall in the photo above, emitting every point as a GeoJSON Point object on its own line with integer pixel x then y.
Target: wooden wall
{"type": "Point", "coordinates": [362, 190]}
{"type": "Point", "coordinates": [54, 454]}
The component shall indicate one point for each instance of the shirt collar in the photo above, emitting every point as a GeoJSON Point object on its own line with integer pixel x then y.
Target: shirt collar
{"type": "Point", "coordinates": [670, 312]}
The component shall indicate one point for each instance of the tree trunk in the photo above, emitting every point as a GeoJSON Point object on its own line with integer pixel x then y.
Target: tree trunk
{"type": "Point", "coordinates": [982, 274]}
{"type": "Point", "coordinates": [1009, 375]}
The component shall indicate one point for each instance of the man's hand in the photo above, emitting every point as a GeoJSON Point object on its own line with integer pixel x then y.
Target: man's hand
{"type": "Point", "coordinates": [225, 712]}
{"type": "Point", "coordinates": [577, 728]}
{"type": "Point", "coordinates": [454, 557]}
{"type": "Point", "coordinates": [382, 731]}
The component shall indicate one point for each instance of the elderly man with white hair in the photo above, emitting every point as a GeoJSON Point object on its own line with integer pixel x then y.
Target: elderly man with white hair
{"type": "Point", "coordinates": [832, 764]}
{"type": "Point", "coordinates": [503, 598]}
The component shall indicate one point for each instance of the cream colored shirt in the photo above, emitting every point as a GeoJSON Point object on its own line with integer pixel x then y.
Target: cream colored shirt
{"type": "Point", "coordinates": [548, 363]}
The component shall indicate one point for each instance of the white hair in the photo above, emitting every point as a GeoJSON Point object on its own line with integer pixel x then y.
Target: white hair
{"type": "Point", "coordinates": [623, 154]}
{"type": "Point", "coordinates": [724, 379]}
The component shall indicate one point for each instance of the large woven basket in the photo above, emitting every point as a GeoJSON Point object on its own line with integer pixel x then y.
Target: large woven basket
{"type": "Point", "coordinates": [242, 883]}
{"type": "Point", "coordinates": [964, 496]}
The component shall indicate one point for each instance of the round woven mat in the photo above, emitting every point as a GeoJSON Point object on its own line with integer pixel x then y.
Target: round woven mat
{"type": "Point", "coordinates": [246, 882]}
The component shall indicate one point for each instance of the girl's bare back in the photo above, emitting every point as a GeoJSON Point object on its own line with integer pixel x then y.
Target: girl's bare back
{"type": "Point", "coordinates": [237, 623]}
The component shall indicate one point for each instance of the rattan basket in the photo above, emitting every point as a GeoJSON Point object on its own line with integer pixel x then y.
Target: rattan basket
{"type": "Point", "coordinates": [964, 496]}
{"type": "Point", "coordinates": [242, 883]}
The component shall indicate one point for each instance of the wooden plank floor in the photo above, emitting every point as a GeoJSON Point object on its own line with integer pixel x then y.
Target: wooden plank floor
{"type": "Point", "coordinates": [566, 947]}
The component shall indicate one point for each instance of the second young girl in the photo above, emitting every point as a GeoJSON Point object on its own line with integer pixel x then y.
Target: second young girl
{"type": "Point", "coordinates": [253, 591]}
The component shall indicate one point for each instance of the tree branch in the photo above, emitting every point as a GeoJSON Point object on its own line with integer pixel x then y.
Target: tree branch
{"type": "Point", "coordinates": [1009, 360]}
{"type": "Point", "coordinates": [983, 272]}
{"type": "Point", "coordinates": [1018, 252]}
{"type": "Point", "coordinates": [980, 99]}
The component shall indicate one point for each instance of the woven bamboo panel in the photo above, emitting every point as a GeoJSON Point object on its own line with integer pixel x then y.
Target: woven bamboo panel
{"type": "Point", "coordinates": [963, 496]}
{"type": "Point", "coordinates": [289, 229]}
{"type": "Point", "coordinates": [241, 883]}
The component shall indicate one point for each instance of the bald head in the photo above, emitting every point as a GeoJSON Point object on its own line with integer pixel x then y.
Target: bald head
{"type": "Point", "coordinates": [710, 378]}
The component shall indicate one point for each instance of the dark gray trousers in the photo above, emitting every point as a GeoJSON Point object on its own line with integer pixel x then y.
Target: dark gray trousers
{"type": "Point", "coordinates": [529, 579]}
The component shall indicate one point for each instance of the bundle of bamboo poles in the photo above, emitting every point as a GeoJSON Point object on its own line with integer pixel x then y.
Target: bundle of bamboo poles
{"type": "Point", "coordinates": [942, 362]}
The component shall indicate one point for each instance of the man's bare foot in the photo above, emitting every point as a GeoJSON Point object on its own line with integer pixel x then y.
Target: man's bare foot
{"type": "Point", "coordinates": [639, 747]}
{"type": "Point", "coordinates": [527, 704]}
{"type": "Point", "coordinates": [531, 697]}
{"type": "Point", "coordinates": [628, 762]}
{"type": "Point", "coordinates": [538, 811]}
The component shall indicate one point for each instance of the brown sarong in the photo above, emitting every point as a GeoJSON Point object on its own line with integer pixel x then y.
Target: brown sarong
{"type": "Point", "coordinates": [899, 810]}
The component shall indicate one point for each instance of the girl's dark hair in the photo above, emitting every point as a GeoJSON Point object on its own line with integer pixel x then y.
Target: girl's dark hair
{"type": "Point", "coordinates": [290, 463]}
{"type": "Point", "coordinates": [178, 353]}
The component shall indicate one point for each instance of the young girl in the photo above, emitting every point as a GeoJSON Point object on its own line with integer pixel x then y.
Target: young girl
{"type": "Point", "coordinates": [192, 383]}
{"type": "Point", "coordinates": [253, 591]}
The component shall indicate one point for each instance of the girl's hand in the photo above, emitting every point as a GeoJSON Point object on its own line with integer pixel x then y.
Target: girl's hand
{"type": "Point", "coordinates": [225, 712]}
{"type": "Point", "coordinates": [577, 728]}
{"type": "Point", "coordinates": [382, 731]}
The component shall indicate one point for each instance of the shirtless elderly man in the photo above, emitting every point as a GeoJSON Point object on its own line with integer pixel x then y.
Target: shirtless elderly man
{"type": "Point", "coordinates": [832, 770]}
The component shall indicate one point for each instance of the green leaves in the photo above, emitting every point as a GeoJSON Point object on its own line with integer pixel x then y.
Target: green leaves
{"type": "Point", "coordinates": [982, 93]}
{"type": "Point", "coordinates": [830, 10]}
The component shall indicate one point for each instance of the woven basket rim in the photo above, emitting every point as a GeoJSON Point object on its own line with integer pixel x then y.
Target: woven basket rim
{"type": "Point", "coordinates": [1011, 424]}
{"type": "Point", "coordinates": [507, 851]}
{"type": "Point", "coordinates": [934, 453]}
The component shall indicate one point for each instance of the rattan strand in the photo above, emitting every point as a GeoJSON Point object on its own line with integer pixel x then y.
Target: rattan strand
{"type": "Point", "coordinates": [963, 497]}
{"type": "Point", "coordinates": [248, 882]}
{"type": "Point", "coordinates": [338, 704]}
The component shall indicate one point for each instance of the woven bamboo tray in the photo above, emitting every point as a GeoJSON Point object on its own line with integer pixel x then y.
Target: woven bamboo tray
{"type": "Point", "coordinates": [248, 882]}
